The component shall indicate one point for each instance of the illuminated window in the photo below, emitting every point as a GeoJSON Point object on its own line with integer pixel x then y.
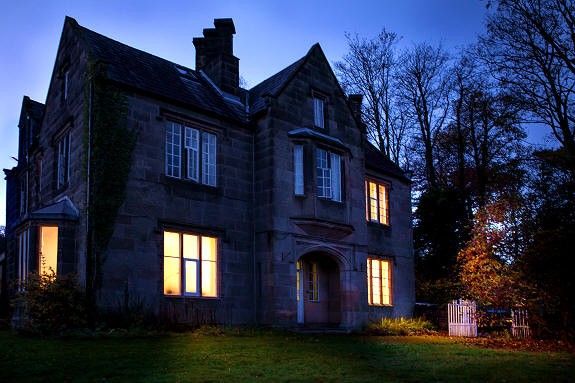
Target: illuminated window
{"type": "Point", "coordinates": [328, 168]}
{"type": "Point", "coordinates": [378, 282]}
{"type": "Point", "coordinates": [197, 162]}
{"type": "Point", "coordinates": [376, 202]}
{"type": "Point", "coordinates": [312, 283]}
{"type": "Point", "coordinates": [190, 264]}
{"type": "Point", "coordinates": [318, 112]}
{"type": "Point", "coordinates": [48, 249]}
{"type": "Point", "coordinates": [63, 169]}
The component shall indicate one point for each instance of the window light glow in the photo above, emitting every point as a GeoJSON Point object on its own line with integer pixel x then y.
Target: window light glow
{"type": "Point", "coordinates": [378, 282]}
{"type": "Point", "coordinates": [190, 265]}
{"type": "Point", "coordinates": [209, 251]}
{"type": "Point", "coordinates": [376, 202]}
{"type": "Point", "coordinates": [48, 249]}
{"type": "Point", "coordinates": [172, 272]}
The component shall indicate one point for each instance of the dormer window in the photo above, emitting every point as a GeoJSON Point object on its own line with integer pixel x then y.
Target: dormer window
{"type": "Point", "coordinates": [318, 112]}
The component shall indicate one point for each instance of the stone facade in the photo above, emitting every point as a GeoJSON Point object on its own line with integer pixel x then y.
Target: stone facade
{"type": "Point", "coordinates": [283, 258]}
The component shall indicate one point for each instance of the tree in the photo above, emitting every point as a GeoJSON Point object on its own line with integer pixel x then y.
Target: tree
{"type": "Point", "coordinates": [486, 263]}
{"type": "Point", "coordinates": [530, 46]}
{"type": "Point", "coordinates": [549, 246]}
{"type": "Point", "coordinates": [423, 86]}
{"type": "Point", "coordinates": [439, 232]}
{"type": "Point", "coordinates": [369, 69]}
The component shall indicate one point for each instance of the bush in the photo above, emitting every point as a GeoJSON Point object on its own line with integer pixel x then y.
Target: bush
{"type": "Point", "coordinates": [400, 326]}
{"type": "Point", "coordinates": [51, 304]}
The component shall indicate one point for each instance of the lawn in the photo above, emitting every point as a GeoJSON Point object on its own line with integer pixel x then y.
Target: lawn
{"type": "Point", "coordinates": [271, 356]}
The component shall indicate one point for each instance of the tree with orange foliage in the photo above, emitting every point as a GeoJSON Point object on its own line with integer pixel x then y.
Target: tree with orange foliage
{"type": "Point", "coordinates": [486, 263]}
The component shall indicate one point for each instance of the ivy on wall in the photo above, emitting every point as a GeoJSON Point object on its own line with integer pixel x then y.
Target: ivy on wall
{"type": "Point", "coordinates": [111, 143]}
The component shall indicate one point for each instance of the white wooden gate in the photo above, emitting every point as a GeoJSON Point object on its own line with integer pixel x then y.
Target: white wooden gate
{"type": "Point", "coordinates": [520, 324]}
{"type": "Point", "coordinates": [462, 318]}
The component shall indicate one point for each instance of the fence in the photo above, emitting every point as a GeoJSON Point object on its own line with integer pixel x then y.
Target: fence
{"type": "Point", "coordinates": [462, 316]}
{"type": "Point", "coordinates": [520, 324]}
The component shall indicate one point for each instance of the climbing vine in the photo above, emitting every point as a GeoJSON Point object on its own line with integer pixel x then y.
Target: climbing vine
{"type": "Point", "coordinates": [111, 142]}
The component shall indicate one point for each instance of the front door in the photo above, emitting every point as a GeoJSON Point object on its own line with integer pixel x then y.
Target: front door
{"type": "Point", "coordinates": [318, 293]}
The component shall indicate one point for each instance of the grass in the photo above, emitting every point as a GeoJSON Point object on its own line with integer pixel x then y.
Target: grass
{"type": "Point", "coordinates": [400, 326]}
{"type": "Point", "coordinates": [271, 357]}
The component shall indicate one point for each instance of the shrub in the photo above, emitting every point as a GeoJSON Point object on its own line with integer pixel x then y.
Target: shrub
{"type": "Point", "coordinates": [51, 304]}
{"type": "Point", "coordinates": [400, 326]}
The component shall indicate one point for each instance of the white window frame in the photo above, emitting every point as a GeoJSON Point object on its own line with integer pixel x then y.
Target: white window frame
{"type": "Point", "coordinates": [323, 173]}
{"type": "Point", "coordinates": [209, 159]}
{"type": "Point", "coordinates": [198, 159]}
{"type": "Point", "coordinates": [23, 257]}
{"type": "Point", "coordinates": [318, 112]}
{"type": "Point", "coordinates": [381, 283]}
{"type": "Point", "coordinates": [63, 162]}
{"type": "Point", "coordinates": [199, 264]}
{"type": "Point", "coordinates": [298, 169]}
{"type": "Point", "coordinates": [192, 145]}
{"type": "Point", "coordinates": [173, 150]}
{"type": "Point", "coordinates": [328, 175]}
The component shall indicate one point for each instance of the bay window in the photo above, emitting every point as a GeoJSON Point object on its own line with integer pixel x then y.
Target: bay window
{"type": "Point", "coordinates": [298, 169]}
{"type": "Point", "coordinates": [328, 169]}
{"type": "Point", "coordinates": [48, 253]}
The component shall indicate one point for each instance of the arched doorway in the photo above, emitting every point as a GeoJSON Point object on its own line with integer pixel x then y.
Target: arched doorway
{"type": "Point", "coordinates": [318, 290]}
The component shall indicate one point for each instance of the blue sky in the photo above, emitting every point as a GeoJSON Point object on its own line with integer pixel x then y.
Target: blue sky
{"type": "Point", "coordinates": [270, 35]}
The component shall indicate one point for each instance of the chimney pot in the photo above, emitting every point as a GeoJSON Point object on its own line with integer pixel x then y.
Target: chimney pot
{"type": "Point", "coordinates": [215, 55]}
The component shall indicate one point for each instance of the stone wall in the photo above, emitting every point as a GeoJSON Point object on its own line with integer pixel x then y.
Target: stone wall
{"type": "Point", "coordinates": [134, 260]}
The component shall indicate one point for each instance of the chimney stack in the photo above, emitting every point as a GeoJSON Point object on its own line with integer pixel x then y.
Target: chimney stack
{"type": "Point", "coordinates": [355, 101]}
{"type": "Point", "coordinates": [215, 55]}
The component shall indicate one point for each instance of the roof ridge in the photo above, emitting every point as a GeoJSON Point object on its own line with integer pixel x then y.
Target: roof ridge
{"type": "Point", "coordinates": [154, 75]}
{"type": "Point", "coordinates": [83, 28]}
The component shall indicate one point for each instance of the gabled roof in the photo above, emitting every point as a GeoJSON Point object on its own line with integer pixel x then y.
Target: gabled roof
{"type": "Point", "coordinates": [151, 74]}
{"type": "Point", "coordinates": [32, 108]}
{"type": "Point", "coordinates": [272, 86]}
{"type": "Point", "coordinates": [379, 162]}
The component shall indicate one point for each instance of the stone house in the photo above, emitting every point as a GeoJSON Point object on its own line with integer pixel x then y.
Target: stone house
{"type": "Point", "coordinates": [203, 200]}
